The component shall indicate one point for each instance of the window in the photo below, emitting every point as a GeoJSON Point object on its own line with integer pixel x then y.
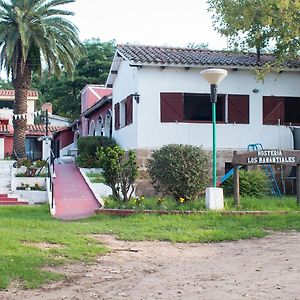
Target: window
{"type": "Point", "coordinates": [281, 110]}
{"type": "Point", "coordinates": [6, 104]}
{"type": "Point", "coordinates": [128, 110]}
{"type": "Point", "coordinates": [197, 107]}
{"type": "Point", "coordinates": [117, 116]}
{"type": "Point", "coordinates": [182, 107]}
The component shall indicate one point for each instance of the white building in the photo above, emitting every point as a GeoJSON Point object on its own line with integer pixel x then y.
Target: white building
{"type": "Point", "coordinates": [7, 99]}
{"type": "Point", "coordinates": [159, 97]}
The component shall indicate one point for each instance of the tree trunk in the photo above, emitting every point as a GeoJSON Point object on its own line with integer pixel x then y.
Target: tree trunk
{"type": "Point", "coordinates": [21, 84]}
{"type": "Point", "coordinates": [258, 54]}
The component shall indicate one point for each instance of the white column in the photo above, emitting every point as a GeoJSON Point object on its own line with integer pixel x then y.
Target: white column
{"type": "Point", "coordinates": [46, 148]}
{"type": "Point", "coordinates": [1, 148]}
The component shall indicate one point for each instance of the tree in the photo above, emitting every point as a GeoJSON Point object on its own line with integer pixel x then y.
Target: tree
{"type": "Point", "coordinates": [119, 171]}
{"type": "Point", "coordinates": [259, 24]}
{"type": "Point", "coordinates": [92, 68]}
{"type": "Point", "coordinates": [197, 46]}
{"type": "Point", "coordinates": [33, 32]}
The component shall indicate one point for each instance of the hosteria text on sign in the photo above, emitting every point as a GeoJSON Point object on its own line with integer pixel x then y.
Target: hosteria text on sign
{"type": "Point", "coordinates": [261, 157]}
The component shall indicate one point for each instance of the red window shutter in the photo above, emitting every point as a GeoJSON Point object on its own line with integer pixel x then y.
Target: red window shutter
{"type": "Point", "coordinates": [117, 116]}
{"type": "Point", "coordinates": [238, 109]}
{"type": "Point", "coordinates": [171, 107]}
{"type": "Point", "coordinates": [128, 110]}
{"type": "Point", "coordinates": [273, 109]}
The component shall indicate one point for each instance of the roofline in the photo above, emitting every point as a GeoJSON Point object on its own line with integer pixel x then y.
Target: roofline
{"type": "Point", "coordinates": [91, 85]}
{"type": "Point", "coordinates": [102, 102]}
{"type": "Point", "coordinates": [116, 63]}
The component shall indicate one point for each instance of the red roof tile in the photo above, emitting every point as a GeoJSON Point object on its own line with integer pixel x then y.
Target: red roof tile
{"type": "Point", "coordinates": [31, 130]}
{"type": "Point", "coordinates": [11, 93]}
{"type": "Point", "coordinates": [188, 57]}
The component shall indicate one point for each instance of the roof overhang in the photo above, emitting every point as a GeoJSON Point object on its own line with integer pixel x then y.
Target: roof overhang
{"type": "Point", "coordinates": [113, 72]}
{"type": "Point", "coordinates": [105, 100]}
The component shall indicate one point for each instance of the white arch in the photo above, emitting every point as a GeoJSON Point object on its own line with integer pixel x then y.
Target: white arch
{"type": "Point", "coordinates": [92, 128]}
{"type": "Point", "coordinates": [99, 127]}
{"type": "Point", "coordinates": [108, 123]}
{"type": "Point", "coordinates": [76, 137]}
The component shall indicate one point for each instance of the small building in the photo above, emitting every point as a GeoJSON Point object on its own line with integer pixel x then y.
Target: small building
{"type": "Point", "coordinates": [7, 100]}
{"type": "Point", "coordinates": [54, 120]}
{"type": "Point", "coordinates": [159, 97]}
{"type": "Point", "coordinates": [95, 120]}
{"type": "Point", "coordinates": [33, 143]}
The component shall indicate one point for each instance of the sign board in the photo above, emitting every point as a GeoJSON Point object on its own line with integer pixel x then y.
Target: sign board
{"type": "Point", "coordinates": [272, 156]}
{"type": "Point", "coordinates": [262, 157]}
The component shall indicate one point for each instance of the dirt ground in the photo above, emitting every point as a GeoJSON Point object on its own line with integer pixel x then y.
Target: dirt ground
{"type": "Point", "coordinates": [267, 268]}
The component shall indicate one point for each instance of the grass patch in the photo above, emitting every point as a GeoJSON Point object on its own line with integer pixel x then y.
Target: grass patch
{"type": "Point", "coordinates": [27, 234]}
{"type": "Point", "coordinates": [247, 203]}
{"type": "Point", "coordinates": [95, 177]}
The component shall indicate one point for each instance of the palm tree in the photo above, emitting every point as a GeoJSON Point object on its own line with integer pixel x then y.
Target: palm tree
{"type": "Point", "coordinates": [34, 33]}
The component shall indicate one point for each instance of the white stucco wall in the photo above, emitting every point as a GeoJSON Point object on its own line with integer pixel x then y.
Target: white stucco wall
{"type": "Point", "coordinates": [126, 83]}
{"type": "Point", "coordinates": [150, 133]}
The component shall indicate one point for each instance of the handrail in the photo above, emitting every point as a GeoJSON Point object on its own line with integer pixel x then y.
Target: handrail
{"type": "Point", "coordinates": [52, 157]}
{"type": "Point", "coordinates": [50, 163]}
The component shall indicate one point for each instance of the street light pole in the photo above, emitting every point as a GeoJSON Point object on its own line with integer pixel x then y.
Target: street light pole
{"type": "Point", "coordinates": [214, 196]}
{"type": "Point", "coordinates": [213, 99]}
{"type": "Point", "coordinates": [47, 123]}
{"type": "Point", "coordinates": [214, 77]}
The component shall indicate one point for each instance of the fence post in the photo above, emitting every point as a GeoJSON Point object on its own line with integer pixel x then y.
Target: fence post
{"type": "Point", "coordinates": [236, 183]}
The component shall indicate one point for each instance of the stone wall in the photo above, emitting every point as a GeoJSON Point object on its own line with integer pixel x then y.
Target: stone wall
{"type": "Point", "coordinates": [143, 184]}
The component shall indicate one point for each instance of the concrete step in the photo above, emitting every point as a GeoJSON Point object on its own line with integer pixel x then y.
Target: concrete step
{"type": "Point", "coordinates": [7, 199]}
{"type": "Point", "coordinates": [3, 203]}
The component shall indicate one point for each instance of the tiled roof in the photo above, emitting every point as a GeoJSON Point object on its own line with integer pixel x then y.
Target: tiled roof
{"type": "Point", "coordinates": [40, 129]}
{"type": "Point", "coordinates": [11, 93]}
{"type": "Point", "coordinates": [190, 57]}
{"type": "Point", "coordinates": [103, 101]}
{"type": "Point", "coordinates": [31, 130]}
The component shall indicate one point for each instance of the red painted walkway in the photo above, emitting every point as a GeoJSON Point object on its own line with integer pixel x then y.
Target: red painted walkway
{"type": "Point", "coordinates": [73, 198]}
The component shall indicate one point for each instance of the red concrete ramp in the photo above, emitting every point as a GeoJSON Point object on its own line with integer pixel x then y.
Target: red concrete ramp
{"type": "Point", "coordinates": [73, 198]}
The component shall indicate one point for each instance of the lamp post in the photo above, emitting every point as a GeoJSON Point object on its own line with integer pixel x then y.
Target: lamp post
{"type": "Point", "coordinates": [214, 77]}
{"type": "Point", "coordinates": [46, 146]}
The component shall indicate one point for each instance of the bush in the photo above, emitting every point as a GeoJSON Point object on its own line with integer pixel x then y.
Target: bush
{"type": "Point", "coordinates": [87, 161]}
{"type": "Point", "coordinates": [24, 162]}
{"type": "Point", "coordinates": [252, 183]}
{"type": "Point", "coordinates": [88, 145]}
{"type": "Point", "coordinates": [119, 171]}
{"type": "Point", "coordinates": [179, 170]}
{"type": "Point", "coordinates": [87, 148]}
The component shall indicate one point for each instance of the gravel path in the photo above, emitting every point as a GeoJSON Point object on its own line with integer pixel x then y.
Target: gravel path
{"type": "Point", "coordinates": [267, 268]}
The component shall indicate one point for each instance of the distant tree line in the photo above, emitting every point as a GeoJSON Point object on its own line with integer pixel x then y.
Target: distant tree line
{"type": "Point", "coordinates": [64, 92]}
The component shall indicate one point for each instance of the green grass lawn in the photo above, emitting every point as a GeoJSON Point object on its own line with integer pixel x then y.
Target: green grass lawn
{"type": "Point", "coordinates": [21, 227]}
{"type": "Point", "coordinates": [247, 203]}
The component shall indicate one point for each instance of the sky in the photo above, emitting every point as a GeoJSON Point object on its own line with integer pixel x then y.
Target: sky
{"type": "Point", "coordinates": [157, 22]}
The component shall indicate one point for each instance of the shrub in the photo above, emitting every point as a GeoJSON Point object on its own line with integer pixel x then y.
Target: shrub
{"type": "Point", "coordinates": [119, 171]}
{"type": "Point", "coordinates": [179, 170]}
{"type": "Point", "coordinates": [87, 148]}
{"type": "Point", "coordinates": [253, 183]}
{"type": "Point", "coordinates": [87, 161]}
{"type": "Point", "coordinates": [39, 163]}
{"type": "Point", "coordinates": [88, 145]}
{"type": "Point", "coordinates": [24, 162]}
